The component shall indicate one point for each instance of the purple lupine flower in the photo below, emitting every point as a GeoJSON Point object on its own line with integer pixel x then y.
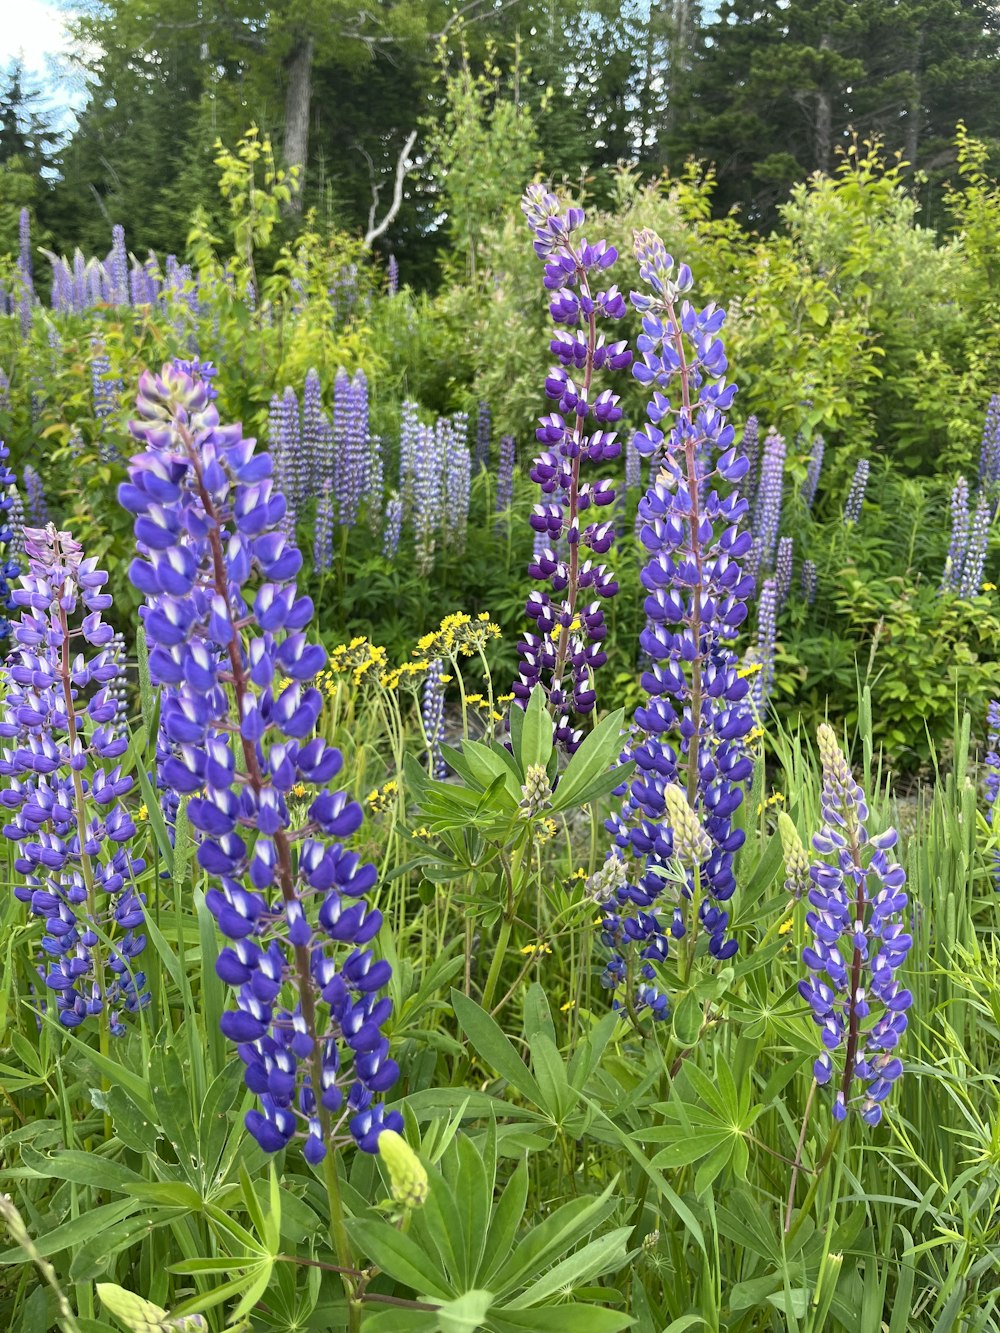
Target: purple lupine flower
{"type": "Point", "coordinates": [393, 527]}
{"type": "Point", "coordinates": [484, 437]}
{"type": "Point", "coordinates": [457, 486]}
{"type": "Point", "coordinates": [392, 276]}
{"type": "Point", "coordinates": [505, 473]}
{"type": "Point", "coordinates": [958, 546]}
{"type": "Point", "coordinates": [856, 495]}
{"type": "Point", "coordinates": [15, 518]}
{"type": "Point", "coordinates": [691, 732]}
{"type": "Point", "coordinates": [409, 438]}
{"type": "Point", "coordinates": [432, 718]}
{"type": "Point", "coordinates": [357, 446]}
{"type": "Point", "coordinates": [281, 442]}
{"type": "Point", "coordinates": [858, 914]}
{"type": "Point", "coordinates": [992, 783]}
{"type": "Point", "coordinates": [38, 509]}
{"type": "Point", "coordinates": [106, 395]}
{"type": "Point", "coordinates": [633, 468]}
{"type": "Point", "coordinates": [226, 626]}
{"type": "Point", "coordinates": [117, 266]}
{"type": "Point", "coordinates": [974, 563]}
{"type": "Point", "coordinates": [750, 447]}
{"type": "Point", "coordinates": [346, 466]}
{"type": "Point", "coordinates": [4, 390]}
{"type": "Point", "coordinates": [9, 567]}
{"type": "Point", "coordinates": [63, 784]}
{"type": "Point", "coordinates": [312, 470]}
{"type": "Point", "coordinates": [565, 647]}
{"type": "Point", "coordinates": [763, 656]}
{"type": "Point", "coordinates": [811, 483]}
{"type": "Point", "coordinates": [784, 568]}
{"type": "Point", "coordinates": [808, 581]}
{"type": "Point", "coordinates": [989, 450]}
{"type": "Point", "coordinates": [427, 498]}
{"type": "Point", "coordinates": [323, 536]}
{"type": "Point", "coordinates": [24, 246]}
{"type": "Point", "coordinates": [767, 509]}
{"type": "Point", "coordinates": [375, 482]}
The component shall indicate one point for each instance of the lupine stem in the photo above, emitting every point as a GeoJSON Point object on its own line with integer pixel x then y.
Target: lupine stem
{"type": "Point", "coordinates": [286, 881]}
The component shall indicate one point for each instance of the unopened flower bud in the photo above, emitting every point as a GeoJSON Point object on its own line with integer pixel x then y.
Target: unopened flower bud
{"type": "Point", "coordinates": [536, 794]}
{"type": "Point", "coordinates": [407, 1177]}
{"type": "Point", "coordinates": [692, 844]}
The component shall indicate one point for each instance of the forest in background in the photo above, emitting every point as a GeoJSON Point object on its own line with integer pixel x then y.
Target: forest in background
{"type": "Point", "coordinates": [766, 90]}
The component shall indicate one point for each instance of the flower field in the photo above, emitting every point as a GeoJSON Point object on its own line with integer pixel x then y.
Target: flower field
{"type": "Point", "coordinates": [498, 784]}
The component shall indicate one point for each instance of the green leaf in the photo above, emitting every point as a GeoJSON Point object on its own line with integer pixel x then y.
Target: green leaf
{"type": "Point", "coordinates": [691, 1148]}
{"type": "Point", "coordinates": [596, 1257]}
{"type": "Point", "coordinates": [74, 1232]}
{"type": "Point", "coordinates": [466, 1314]}
{"type": "Point", "coordinates": [506, 1219]}
{"type": "Point", "coordinates": [818, 313]}
{"type": "Point", "coordinates": [687, 1019]}
{"type": "Point", "coordinates": [399, 1256]}
{"type": "Point", "coordinates": [536, 738]}
{"type": "Point", "coordinates": [554, 1236]}
{"type": "Point", "coordinates": [496, 1048]}
{"type": "Point", "coordinates": [597, 753]}
{"type": "Point", "coordinates": [567, 1317]}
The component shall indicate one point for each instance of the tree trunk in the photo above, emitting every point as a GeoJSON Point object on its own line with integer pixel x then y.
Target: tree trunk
{"type": "Point", "coordinates": [824, 117]}
{"type": "Point", "coordinates": [297, 101]}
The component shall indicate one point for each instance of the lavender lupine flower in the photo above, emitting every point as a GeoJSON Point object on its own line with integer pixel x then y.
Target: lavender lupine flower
{"type": "Point", "coordinates": [957, 547]}
{"type": "Point", "coordinates": [63, 784]}
{"type": "Point", "coordinates": [393, 527]}
{"type": "Point", "coordinates": [226, 628]}
{"type": "Point", "coordinates": [457, 488]}
{"type": "Point", "coordinates": [392, 276]}
{"type": "Point", "coordinates": [4, 391]}
{"type": "Point", "coordinates": [426, 493]}
{"type": "Point", "coordinates": [992, 783]}
{"type": "Point", "coordinates": [409, 440]}
{"type": "Point", "coordinates": [856, 495]}
{"type": "Point", "coordinates": [350, 439]}
{"type": "Point", "coordinates": [975, 554]}
{"type": "Point", "coordinates": [763, 657]}
{"type": "Point", "coordinates": [15, 518]}
{"type": "Point", "coordinates": [989, 451]}
{"type": "Point", "coordinates": [750, 447]}
{"type": "Point", "coordinates": [808, 581]}
{"type": "Point", "coordinates": [767, 509]}
{"type": "Point", "coordinates": [374, 482]}
{"type": "Point", "coordinates": [9, 568]}
{"type": "Point", "coordinates": [106, 395]}
{"type": "Point", "coordinates": [505, 473]}
{"type": "Point", "coordinates": [358, 444]}
{"type": "Point", "coordinates": [784, 568]}
{"type": "Point", "coordinates": [432, 717]}
{"type": "Point", "coordinates": [312, 472]}
{"type": "Point", "coordinates": [117, 266]}
{"type": "Point", "coordinates": [484, 437]}
{"type": "Point", "coordinates": [811, 483]}
{"type": "Point", "coordinates": [691, 732]}
{"type": "Point", "coordinates": [323, 535]}
{"type": "Point", "coordinates": [633, 468]}
{"type": "Point", "coordinates": [38, 509]}
{"type": "Point", "coordinates": [24, 264]}
{"type": "Point", "coordinates": [859, 944]}
{"type": "Point", "coordinates": [565, 647]}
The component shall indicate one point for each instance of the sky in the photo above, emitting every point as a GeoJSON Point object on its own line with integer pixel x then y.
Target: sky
{"type": "Point", "coordinates": [35, 30]}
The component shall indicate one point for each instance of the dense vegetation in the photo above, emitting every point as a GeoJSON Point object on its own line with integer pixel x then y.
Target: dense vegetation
{"type": "Point", "coordinates": [499, 733]}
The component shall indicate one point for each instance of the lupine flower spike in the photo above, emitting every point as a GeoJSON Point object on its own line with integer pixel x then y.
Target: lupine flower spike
{"type": "Point", "coordinates": [565, 647]}
{"type": "Point", "coordinates": [690, 748]}
{"type": "Point", "coordinates": [228, 647]}
{"type": "Point", "coordinates": [62, 740]}
{"type": "Point", "coordinates": [856, 495]}
{"type": "Point", "coordinates": [858, 912]}
{"type": "Point", "coordinates": [992, 784]}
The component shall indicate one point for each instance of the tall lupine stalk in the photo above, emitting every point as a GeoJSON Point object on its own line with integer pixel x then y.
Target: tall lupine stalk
{"type": "Point", "coordinates": [505, 473]}
{"type": "Point", "coordinates": [808, 581]}
{"type": "Point", "coordinates": [989, 451]}
{"type": "Point", "coordinates": [392, 276]}
{"type": "Point", "coordinates": [484, 437]}
{"type": "Point", "coordinates": [860, 941]}
{"type": "Point", "coordinates": [784, 568]}
{"type": "Point", "coordinates": [61, 742]}
{"type": "Point", "coordinates": [38, 509]}
{"type": "Point", "coordinates": [9, 568]}
{"type": "Point", "coordinates": [26, 288]}
{"type": "Point", "coordinates": [564, 649]}
{"type": "Point", "coordinates": [392, 528]}
{"type": "Point", "coordinates": [457, 486]}
{"type": "Point", "coordinates": [226, 628]}
{"type": "Point", "coordinates": [811, 483]}
{"type": "Point", "coordinates": [432, 718]}
{"type": "Point", "coordinates": [690, 752]}
{"type": "Point", "coordinates": [767, 506]}
{"type": "Point", "coordinates": [974, 564]}
{"type": "Point", "coordinates": [763, 656]}
{"type": "Point", "coordinates": [958, 545]}
{"type": "Point", "coordinates": [856, 495]}
{"type": "Point", "coordinates": [750, 445]}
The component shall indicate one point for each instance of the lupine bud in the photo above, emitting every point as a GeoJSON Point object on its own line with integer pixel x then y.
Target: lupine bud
{"type": "Point", "coordinates": [813, 471]}
{"type": "Point", "coordinates": [856, 495]}
{"type": "Point", "coordinates": [408, 1181]}
{"type": "Point", "coordinates": [692, 844]}
{"type": "Point", "coordinates": [796, 857]}
{"type": "Point", "coordinates": [536, 794]}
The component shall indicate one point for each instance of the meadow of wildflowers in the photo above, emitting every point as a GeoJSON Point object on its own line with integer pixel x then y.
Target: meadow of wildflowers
{"type": "Point", "coordinates": [465, 879]}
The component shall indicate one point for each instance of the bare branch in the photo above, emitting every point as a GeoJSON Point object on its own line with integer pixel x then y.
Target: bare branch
{"type": "Point", "coordinates": [402, 166]}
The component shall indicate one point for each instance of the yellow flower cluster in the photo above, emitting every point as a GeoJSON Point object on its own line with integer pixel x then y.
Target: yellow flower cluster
{"type": "Point", "coordinates": [405, 673]}
{"type": "Point", "coordinates": [458, 635]}
{"type": "Point", "coordinates": [537, 950]}
{"type": "Point", "coordinates": [749, 669]}
{"type": "Point", "coordinates": [775, 798]}
{"type": "Point", "coordinates": [360, 659]}
{"type": "Point", "coordinates": [755, 734]}
{"type": "Point", "coordinates": [382, 798]}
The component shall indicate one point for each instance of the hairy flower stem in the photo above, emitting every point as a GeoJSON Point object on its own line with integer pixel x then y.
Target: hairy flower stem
{"type": "Point", "coordinates": [506, 926]}
{"type": "Point", "coordinates": [286, 881]}
{"type": "Point", "coordinates": [854, 1019]}
{"type": "Point", "coordinates": [574, 553]}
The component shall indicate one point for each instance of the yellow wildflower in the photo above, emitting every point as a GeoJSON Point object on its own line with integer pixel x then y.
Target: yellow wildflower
{"type": "Point", "coordinates": [143, 812]}
{"type": "Point", "coordinates": [381, 798]}
{"type": "Point", "coordinates": [538, 949]}
{"type": "Point", "coordinates": [786, 926]}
